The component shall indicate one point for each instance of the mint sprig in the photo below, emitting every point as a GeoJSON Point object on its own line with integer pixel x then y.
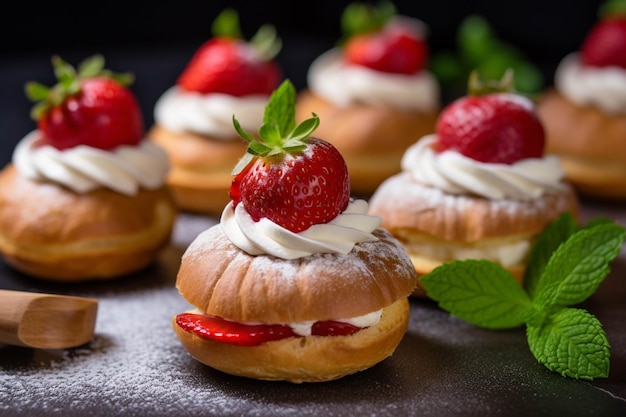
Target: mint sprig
{"type": "Point", "coordinates": [565, 267]}
{"type": "Point", "coordinates": [279, 134]}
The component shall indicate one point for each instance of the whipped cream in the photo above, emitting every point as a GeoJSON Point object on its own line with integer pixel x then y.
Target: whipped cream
{"type": "Point", "coordinates": [603, 87]}
{"type": "Point", "coordinates": [350, 227]}
{"type": "Point", "coordinates": [84, 168]}
{"type": "Point", "coordinates": [209, 114]}
{"type": "Point", "coordinates": [333, 79]}
{"type": "Point", "coordinates": [304, 328]}
{"type": "Point", "coordinates": [455, 173]}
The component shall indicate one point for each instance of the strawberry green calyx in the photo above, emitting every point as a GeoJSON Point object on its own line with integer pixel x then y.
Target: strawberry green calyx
{"type": "Point", "coordinates": [359, 18]}
{"type": "Point", "coordinates": [613, 9]}
{"type": "Point", "coordinates": [69, 79]}
{"type": "Point", "coordinates": [279, 133]}
{"type": "Point", "coordinates": [265, 40]}
{"type": "Point", "coordinates": [477, 86]}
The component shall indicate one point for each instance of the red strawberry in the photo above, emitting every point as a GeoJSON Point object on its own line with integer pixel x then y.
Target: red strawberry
{"type": "Point", "coordinates": [215, 328]}
{"type": "Point", "coordinates": [90, 107]}
{"type": "Point", "coordinates": [493, 127]}
{"type": "Point", "coordinates": [605, 45]}
{"type": "Point", "coordinates": [376, 42]}
{"type": "Point", "coordinates": [286, 176]}
{"type": "Point", "coordinates": [388, 51]}
{"type": "Point", "coordinates": [228, 64]}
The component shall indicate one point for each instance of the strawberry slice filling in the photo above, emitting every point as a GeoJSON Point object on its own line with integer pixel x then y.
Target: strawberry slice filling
{"type": "Point", "coordinates": [220, 330]}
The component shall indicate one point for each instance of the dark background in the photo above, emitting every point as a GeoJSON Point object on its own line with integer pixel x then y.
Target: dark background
{"type": "Point", "coordinates": [154, 40]}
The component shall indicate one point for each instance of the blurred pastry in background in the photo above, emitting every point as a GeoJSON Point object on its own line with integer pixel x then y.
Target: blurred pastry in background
{"type": "Point", "coordinates": [480, 187]}
{"type": "Point", "coordinates": [373, 93]}
{"type": "Point", "coordinates": [84, 197]}
{"type": "Point", "coordinates": [584, 113]}
{"type": "Point", "coordinates": [227, 75]}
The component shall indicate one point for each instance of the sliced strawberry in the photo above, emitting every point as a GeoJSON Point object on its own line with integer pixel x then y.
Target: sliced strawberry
{"type": "Point", "coordinates": [230, 65]}
{"type": "Point", "coordinates": [493, 128]}
{"type": "Point", "coordinates": [225, 331]}
{"type": "Point", "coordinates": [605, 44]}
{"type": "Point", "coordinates": [90, 107]}
{"type": "Point", "coordinates": [286, 176]}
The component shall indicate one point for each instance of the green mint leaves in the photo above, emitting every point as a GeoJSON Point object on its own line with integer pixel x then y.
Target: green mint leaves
{"type": "Point", "coordinates": [566, 266]}
{"type": "Point", "coordinates": [279, 133]}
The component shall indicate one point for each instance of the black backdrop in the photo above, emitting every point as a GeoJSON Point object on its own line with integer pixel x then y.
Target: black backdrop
{"type": "Point", "coordinates": [155, 39]}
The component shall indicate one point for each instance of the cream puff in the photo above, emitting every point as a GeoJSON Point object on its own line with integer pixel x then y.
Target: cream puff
{"type": "Point", "coordinates": [479, 188]}
{"type": "Point", "coordinates": [296, 282]}
{"type": "Point", "coordinates": [193, 119]}
{"type": "Point", "coordinates": [84, 197]}
{"type": "Point", "coordinates": [584, 113]}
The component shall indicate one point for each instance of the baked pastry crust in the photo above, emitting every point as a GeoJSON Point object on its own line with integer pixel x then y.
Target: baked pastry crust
{"type": "Point", "coordinates": [305, 359]}
{"type": "Point", "coordinates": [371, 139]}
{"type": "Point", "coordinates": [419, 215]}
{"type": "Point", "coordinates": [52, 233]}
{"type": "Point", "coordinates": [589, 142]}
{"type": "Point", "coordinates": [201, 168]}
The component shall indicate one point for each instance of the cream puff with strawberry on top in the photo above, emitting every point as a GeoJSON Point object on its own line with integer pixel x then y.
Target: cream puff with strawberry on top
{"type": "Point", "coordinates": [584, 114]}
{"type": "Point", "coordinates": [193, 119]}
{"type": "Point", "coordinates": [480, 187]}
{"type": "Point", "coordinates": [373, 93]}
{"type": "Point", "coordinates": [84, 196]}
{"type": "Point", "coordinates": [296, 282]}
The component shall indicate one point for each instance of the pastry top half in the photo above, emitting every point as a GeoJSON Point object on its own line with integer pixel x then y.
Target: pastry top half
{"type": "Point", "coordinates": [405, 203]}
{"type": "Point", "coordinates": [221, 279]}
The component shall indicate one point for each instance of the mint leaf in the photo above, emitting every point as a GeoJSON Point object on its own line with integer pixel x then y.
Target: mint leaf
{"type": "Point", "coordinates": [281, 108]}
{"type": "Point", "coordinates": [557, 232]}
{"type": "Point", "coordinates": [572, 343]}
{"type": "Point", "coordinates": [479, 292]}
{"type": "Point", "coordinates": [578, 266]}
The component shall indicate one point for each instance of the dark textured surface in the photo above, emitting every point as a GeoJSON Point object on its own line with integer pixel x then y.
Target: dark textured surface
{"type": "Point", "coordinates": [443, 367]}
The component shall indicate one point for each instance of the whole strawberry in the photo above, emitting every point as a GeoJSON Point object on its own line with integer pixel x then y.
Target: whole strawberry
{"type": "Point", "coordinates": [605, 44]}
{"type": "Point", "coordinates": [91, 106]}
{"type": "Point", "coordinates": [228, 64]}
{"type": "Point", "coordinates": [288, 177]}
{"type": "Point", "coordinates": [491, 125]}
{"type": "Point", "coordinates": [377, 42]}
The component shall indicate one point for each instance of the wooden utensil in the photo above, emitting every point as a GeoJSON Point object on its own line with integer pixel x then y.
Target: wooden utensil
{"type": "Point", "coordinates": [46, 321]}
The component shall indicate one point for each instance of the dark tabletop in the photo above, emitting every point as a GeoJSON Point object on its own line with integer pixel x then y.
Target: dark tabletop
{"type": "Point", "coordinates": [135, 366]}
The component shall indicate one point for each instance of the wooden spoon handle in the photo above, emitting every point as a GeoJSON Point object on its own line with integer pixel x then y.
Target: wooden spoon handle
{"type": "Point", "coordinates": [46, 321]}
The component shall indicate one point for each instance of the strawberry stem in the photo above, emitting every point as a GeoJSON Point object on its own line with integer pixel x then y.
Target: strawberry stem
{"type": "Point", "coordinates": [360, 18]}
{"type": "Point", "coordinates": [279, 133]}
{"type": "Point", "coordinates": [477, 86]}
{"type": "Point", "coordinates": [68, 83]}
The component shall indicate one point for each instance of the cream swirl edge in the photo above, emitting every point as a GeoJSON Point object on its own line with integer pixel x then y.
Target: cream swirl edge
{"type": "Point", "coordinates": [603, 87]}
{"type": "Point", "coordinates": [83, 168]}
{"type": "Point", "coordinates": [454, 173]}
{"type": "Point", "coordinates": [209, 114]}
{"type": "Point", "coordinates": [350, 227]}
{"type": "Point", "coordinates": [331, 78]}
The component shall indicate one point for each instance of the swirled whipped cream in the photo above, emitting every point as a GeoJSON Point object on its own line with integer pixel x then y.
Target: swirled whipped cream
{"type": "Point", "coordinates": [350, 227]}
{"type": "Point", "coordinates": [603, 87]}
{"type": "Point", "coordinates": [208, 114]}
{"type": "Point", "coordinates": [84, 168]}
{"type": "Point", "coordinates": [455, 173]}
{"type": "Point", "coordinates": [333, 79]}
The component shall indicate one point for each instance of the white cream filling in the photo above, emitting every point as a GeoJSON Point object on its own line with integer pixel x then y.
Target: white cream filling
{"type": "Point", "coordinates": [603, 87]}
{"type": "Point", "coordinates": [124, 169]}
{"type": "Point", "coordinates": [209, 114]}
